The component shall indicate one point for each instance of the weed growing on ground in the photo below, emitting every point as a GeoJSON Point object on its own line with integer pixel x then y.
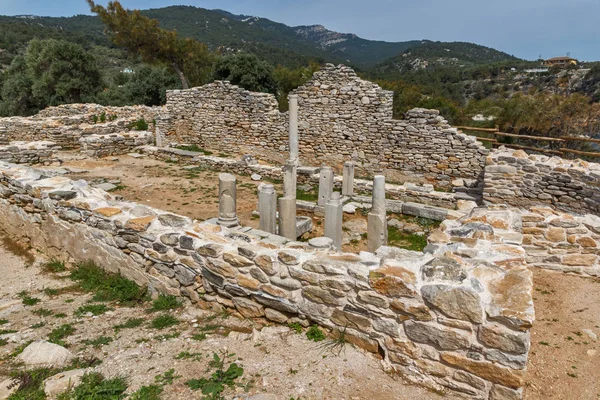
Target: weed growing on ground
{"type": "Point", "coordinates": [58, 334]}
{"type": "Point", "coordinates": [94, 386]}
{"type": "Point", "coordinates": [165, 303]}
{"type": "Point", "coordinates": [167, 378]}
{"type": "Point", "coordinates": [3, 321]}
{"type": "Point", "coordinates": [164, 321]}
{"type": "Point", "coordinates": [167, 336]}
{"type": "Point", "coordinates": [3, 342]}
{"type": "Point", "coordinates": [108, 287]}
{"type": "Point", "coordinates": [7, 331]}
{"type": "Point", "coordinates": [315, 334]}
{"type": "Point", "coordinates": [29, 383]}
{"type": "Point", "coordinates": [224, 376]}
{"type": "Point", "coordinates": [186, 355]}
{"type": "Point", "coordinates": [60, 315]}
{"type": "Point", "coordinates": [95, 309]}
{"type": "Point", "coordinates": [43, 312]}
{"type": "Point", "coordinates": [129, 324]}
{"type": "Point", "coordinates": [295, 326]}
{"type": "Point", "coordinates": [38, 325]}
{"type": "Point", "coordinates": [98, 342]}
{"type": "Point", "coordinates": [151, 392]}
{"type": "Point", "coordinates": [199, 337]}
{"type": "Point", "coordinates": [54, 265]}
{"type": "Point", "coordinates": [28, 300]}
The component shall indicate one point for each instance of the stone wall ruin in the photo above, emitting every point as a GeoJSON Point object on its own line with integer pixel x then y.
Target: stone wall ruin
{"type": "Point", "coordinates": [456, 318]}
{"type": "Point", "coordinates": [341, 117]}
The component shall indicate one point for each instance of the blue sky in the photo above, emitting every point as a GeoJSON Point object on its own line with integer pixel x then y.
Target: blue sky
{"type": "Point", "coordinates": [525, 28]}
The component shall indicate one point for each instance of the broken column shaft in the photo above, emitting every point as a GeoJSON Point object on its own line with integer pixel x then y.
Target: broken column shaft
{"type": "Point", "coordinates": [227, 201]}
{"type": "Point", "coordinates": [287, 217]}
{"type": "Point", "coordinates": [348, 182]}
{"type": "Point", "coordinates": [325, 186]}
{"type": "Point", "coordinates": [267, 208]}
{"type": "Point", "coordinates": [333, 220]}
{"type": "Point", "coordinates": [376, 221]}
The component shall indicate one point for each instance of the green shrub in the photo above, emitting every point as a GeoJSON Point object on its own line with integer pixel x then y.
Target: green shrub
{"type": "Point", "coordinates": [94, 386]}
{"type": "Point", "coordinates": [151, 392]}
{"type": "Point", "coordinates": [129, 324]}
{"type": "Point", "coordinates": [139, 125]}
{"type": "Point", "coordinates": [296, 327]}
{"type": "Point", "coordinates": [315, 334]}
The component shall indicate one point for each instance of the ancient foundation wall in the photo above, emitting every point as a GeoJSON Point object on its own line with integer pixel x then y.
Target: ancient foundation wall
{"type": "Point", "coordinates": [341, 117]}
{"type": "Point", "coordinates": [563, 242]}
{"type": "Point", "coordinates": [522, 180]}
{"type": "Point", "coordinates": [41, 152]}
{"type": "Point", "coordinates": [456, 318]}
{"type": "Point", "coordinates": [66, 124]}
{"type": "Point", "coordinates": [115, 143]}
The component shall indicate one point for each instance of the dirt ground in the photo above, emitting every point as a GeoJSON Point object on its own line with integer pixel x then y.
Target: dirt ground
{"type": "Point", "coordinates": [193, 193]}
{"type": "Point", "coordinates": [276, 360]}
{"type": "Point", "coordinates": [564, 361]}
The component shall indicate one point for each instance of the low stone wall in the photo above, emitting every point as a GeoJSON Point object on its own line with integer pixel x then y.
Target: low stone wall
{"type": "Point", "coordinates": [455, 319]}
{"type": "Point", "coordinates": [66, 124]}
{"type": "Point", "coordinates": [40, 152]}
{"type": "Point", "coordinates": [115, 143]}
{"type": "Point", "coordinates": [522, 180]}
{"type": "Point", "coordinates": [564, 242]}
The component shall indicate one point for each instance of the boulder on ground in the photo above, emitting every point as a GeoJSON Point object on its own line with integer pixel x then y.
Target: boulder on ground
{"type": "Point", "coordinates": [45, 353]}
{"type": "Point", "coordinates": [62, 382]}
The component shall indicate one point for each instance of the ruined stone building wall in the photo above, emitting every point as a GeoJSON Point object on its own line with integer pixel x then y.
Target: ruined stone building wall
{"type": "Point", "coordinates": [522, 180]}
{"type": "Point", "coordinates": [442, 319]}
{"type": "Point", "coordinates": [341, 117]}
{"type": "Point", "coordinates": [227, 119]}
{"type": "Point", "coordinates": [65, 125]}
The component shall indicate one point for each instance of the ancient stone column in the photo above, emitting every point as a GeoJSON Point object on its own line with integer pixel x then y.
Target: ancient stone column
{"type": "Point", "coordinates": [287, 217]}
{"type": "Point", "coordinates": [376, 221]}
{"type": "Point", "coordinates": [333, 220]}
{"type": "Point", "coordinates": [325, 185]}
{"type": "Point", "coordinates": [290, 177]}
{"type": "Point", "coordinates": [293, 126]}
{"type": "Point", "coordinates": [348, 182]}
{"type": "Point", "coordinates": [267, 208]}
{"type": "Point", "coordinates": [227, 201]}
{"type": "Point", "coordinates": [158, 138]}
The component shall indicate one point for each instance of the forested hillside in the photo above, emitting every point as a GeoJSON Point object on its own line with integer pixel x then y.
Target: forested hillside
{"type": "Point", "coordinates": [461, 79]}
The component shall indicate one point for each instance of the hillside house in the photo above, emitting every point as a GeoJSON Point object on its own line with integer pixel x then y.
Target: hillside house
{"type": "Point", "coordinates": [560, 61]}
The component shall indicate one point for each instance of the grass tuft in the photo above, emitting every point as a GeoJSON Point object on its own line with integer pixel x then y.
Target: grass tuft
{"type": "Point", "coordinates": [95, 309]}
{"type": "Point", "coordinates": [164, 321]}
{"type": "Point", "coordinates": [55, 265]}
{"type": "Point", "coordinates": [165, 303]}
{"type": "Point", "coordinates": [108, 287]}
{"type": "Point", "coordinates": [28, 300]}
{"type": "Point", "coordinates": [129, 324]}
{"type": "Point", "coordinates": [58, 334]}
{"type": "Point", "coordinates": [98, 342]}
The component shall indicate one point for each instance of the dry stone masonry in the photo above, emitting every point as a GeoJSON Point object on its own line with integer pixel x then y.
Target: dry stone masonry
{"type": "Point", "coordinates": [341, 117]}
{"type": "Point", "coordinates": [516, 178]}
{"type": "Point", "coordinates": [455, 318]}
{"type": "Point", "coordinates": [115, 143]}
{"type": "Point", "coordinates": [40, 152]}
{"type": "Point", "coordinates": [65, 125]}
